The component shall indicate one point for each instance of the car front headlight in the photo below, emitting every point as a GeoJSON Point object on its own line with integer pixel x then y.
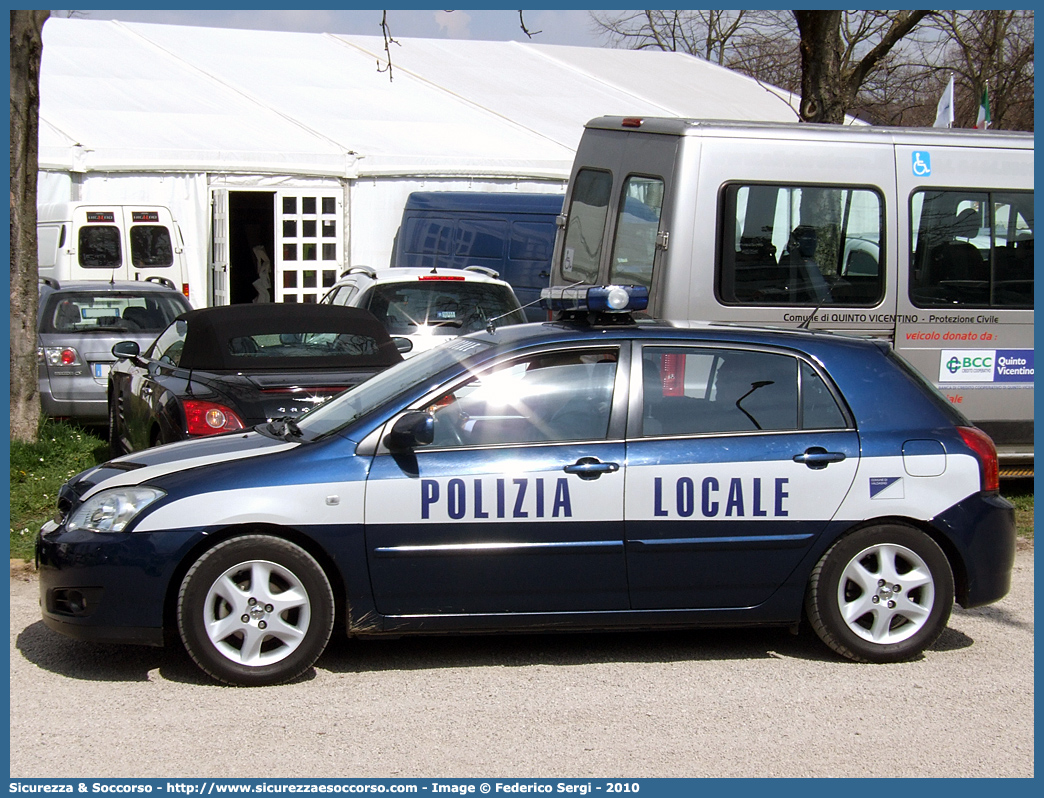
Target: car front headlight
{"type": "Point", "coordinates": [112, 510]}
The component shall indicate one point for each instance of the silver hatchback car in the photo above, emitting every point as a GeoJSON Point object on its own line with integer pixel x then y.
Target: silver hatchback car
{"type": "Point", "coordinates": [77, 325]}
{"type": "Point", "coordinates": [423, 307]}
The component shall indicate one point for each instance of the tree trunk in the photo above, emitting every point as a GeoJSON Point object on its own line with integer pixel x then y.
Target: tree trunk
{"type": "Point", "coordinates": [26, 50]}
{"type": "Point", "coordinates": [822, 83]}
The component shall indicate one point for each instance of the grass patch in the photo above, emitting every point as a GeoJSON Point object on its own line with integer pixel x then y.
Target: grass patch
{"type": "Point", "coordinates": [39, 469]}
{"type": "Point", "coordinates": [1020, 493]}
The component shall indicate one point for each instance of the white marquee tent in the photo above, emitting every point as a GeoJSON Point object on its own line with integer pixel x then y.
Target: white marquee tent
{"type": "Point", "coordinates": [181, 116]}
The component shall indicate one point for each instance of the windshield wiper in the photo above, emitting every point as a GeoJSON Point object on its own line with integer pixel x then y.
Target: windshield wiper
{"type": "Point", "coordinates": [283, 428]}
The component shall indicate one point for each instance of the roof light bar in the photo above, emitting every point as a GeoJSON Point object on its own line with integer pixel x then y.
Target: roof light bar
{"type": "Point", "coordinates": [595, 298]}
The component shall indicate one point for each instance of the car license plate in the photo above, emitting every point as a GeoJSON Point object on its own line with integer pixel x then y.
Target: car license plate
{"type": "Point", "coordinates": [101, 371]}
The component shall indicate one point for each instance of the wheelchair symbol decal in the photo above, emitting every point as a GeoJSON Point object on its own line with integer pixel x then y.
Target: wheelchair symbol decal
{"type": "Point", "coordinates": [922, 163]}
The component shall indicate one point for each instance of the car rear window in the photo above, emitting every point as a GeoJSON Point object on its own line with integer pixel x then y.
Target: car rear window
{"type": "Point", "coordinates": [109, 311]}
{"type": "Point", "coordinates": [303, 345]}
{"type": "Point", "coordinates": [448, 307]}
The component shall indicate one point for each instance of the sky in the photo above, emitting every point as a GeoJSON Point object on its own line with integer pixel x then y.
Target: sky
{"type": "Point", "coordinates": [555, 27]}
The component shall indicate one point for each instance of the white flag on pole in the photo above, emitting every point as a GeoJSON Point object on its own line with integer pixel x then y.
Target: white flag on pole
{"type": "Point", "coordinates": [944, 111]}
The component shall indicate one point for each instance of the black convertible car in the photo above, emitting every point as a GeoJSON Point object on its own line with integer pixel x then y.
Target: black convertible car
{"type": "Point", "coordinates": [234, 367]}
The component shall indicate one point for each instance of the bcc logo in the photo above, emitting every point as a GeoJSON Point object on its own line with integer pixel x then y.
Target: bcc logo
{"type": "Point", "coordinates": [955, 364]}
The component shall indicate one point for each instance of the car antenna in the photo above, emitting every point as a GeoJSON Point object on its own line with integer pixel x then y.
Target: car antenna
{"type": "Point", "coordinates": [491, 324]}
{"type": "Point", "coordinates": [828, 298]}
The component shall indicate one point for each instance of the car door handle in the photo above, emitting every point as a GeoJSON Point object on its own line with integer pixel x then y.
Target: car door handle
{"type": "Point", "coordinates": [818, 457]}
{"type": "Point", "coordinates": [591, 468]}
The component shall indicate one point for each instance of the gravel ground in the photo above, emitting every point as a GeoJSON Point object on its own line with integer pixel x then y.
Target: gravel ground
{"type": "Point", "coordinates": [736, 703]}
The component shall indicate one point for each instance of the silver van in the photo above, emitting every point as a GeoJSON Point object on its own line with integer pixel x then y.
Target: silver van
{"type": "Point", "coordinates": [922, 237]}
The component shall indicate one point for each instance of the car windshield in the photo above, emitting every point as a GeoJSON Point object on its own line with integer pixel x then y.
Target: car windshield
{"type": "Point", "coordinates": [443, 305]}
{"type": "Point", "coordinates": [382, 388]}
{"type": "Point", "coordinates": [124, 311]}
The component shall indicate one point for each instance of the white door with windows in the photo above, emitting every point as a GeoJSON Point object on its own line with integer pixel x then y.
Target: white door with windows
{"type": "Point", "coordinates": [309, 243]}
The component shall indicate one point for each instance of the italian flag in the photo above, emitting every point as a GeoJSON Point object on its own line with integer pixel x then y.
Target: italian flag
{"type": "Point", "coordinates": [983, 120]}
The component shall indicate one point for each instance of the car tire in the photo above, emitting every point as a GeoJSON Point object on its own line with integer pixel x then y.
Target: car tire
{"type": "Point", "coordinates": [255, 610]}
{"type": "Point", "coordinates": [881, 594]}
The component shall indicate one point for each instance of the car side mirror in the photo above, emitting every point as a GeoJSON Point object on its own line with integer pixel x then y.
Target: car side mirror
{"type": "Point", "coordinates": [404, 345]}
{"type": "Point", "coordinates": [126, 350]}
{"type": "Point", "coordinates": [410, 431]}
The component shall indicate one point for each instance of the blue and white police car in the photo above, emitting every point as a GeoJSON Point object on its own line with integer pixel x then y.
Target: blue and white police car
{"type": "Point", "coordinates": [590, 472]}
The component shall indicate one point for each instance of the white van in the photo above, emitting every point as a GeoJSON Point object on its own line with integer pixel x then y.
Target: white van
{"type": "Point", "coordinates": [920, 237]}
{"type": "Point", "coordinates": [80, 241]}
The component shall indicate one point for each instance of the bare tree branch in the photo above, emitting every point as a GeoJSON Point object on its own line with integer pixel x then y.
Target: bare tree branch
{"type": "Point", "coordinates": [388, 41]}
{"type": "Point", "coordinates": [525, 30]}
{"type": "Point", "coordinates": [887, 67]}
{"type": "Point", "coordinates": [902, 24]}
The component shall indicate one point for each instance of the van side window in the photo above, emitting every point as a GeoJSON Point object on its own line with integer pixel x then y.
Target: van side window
{"type": "Point", "coordinates": [479, 239]}
{"type": "Point", "coordinates": [801, 245]}
{"type": "Point", "coordinates": [971, 248]}
{"type": "Point", "coordinates": [585, 225]}
{"type": "Point", "coordinates": [150, 246]}
{"type": "Point", "coordinates": [429, 238]}
{"type": "Point", "coordinates": [636, 227]}
{"type": "Point", "coordinates": [99, 247]}
{"type": "Point", "coordinates": [531, 241]}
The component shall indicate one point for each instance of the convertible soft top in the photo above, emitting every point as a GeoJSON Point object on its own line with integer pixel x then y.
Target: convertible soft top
{"type": "Point", "coordinates": [266, 337]}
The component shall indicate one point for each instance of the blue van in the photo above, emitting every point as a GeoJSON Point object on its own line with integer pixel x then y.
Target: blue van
{"type": "Point", "coordinates": [513, 234]}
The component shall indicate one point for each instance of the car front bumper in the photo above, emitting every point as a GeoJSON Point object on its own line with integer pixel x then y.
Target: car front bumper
{"type": "Point", "coordinates": [108, 588]}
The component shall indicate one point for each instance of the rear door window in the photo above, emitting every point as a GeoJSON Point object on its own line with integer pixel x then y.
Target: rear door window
{"type": "Point", "coordinates": [585, 225]}
{"type": "Point", "coordinates": [99, 247]}
{"type": "Point", "coordinates": [636, 228]}
{"type": "Point", "coordinates": [151, 246]}
{"type": "Point", "coordinates": [692, 391]}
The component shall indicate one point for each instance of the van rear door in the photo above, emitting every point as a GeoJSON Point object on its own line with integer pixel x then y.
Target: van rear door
{"type": "Point", "coordinates": [98, 245]}
{"type": "Point", "coordinates": [619, 201]}
{"type": "Point", "coordinates": [150, 244]}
